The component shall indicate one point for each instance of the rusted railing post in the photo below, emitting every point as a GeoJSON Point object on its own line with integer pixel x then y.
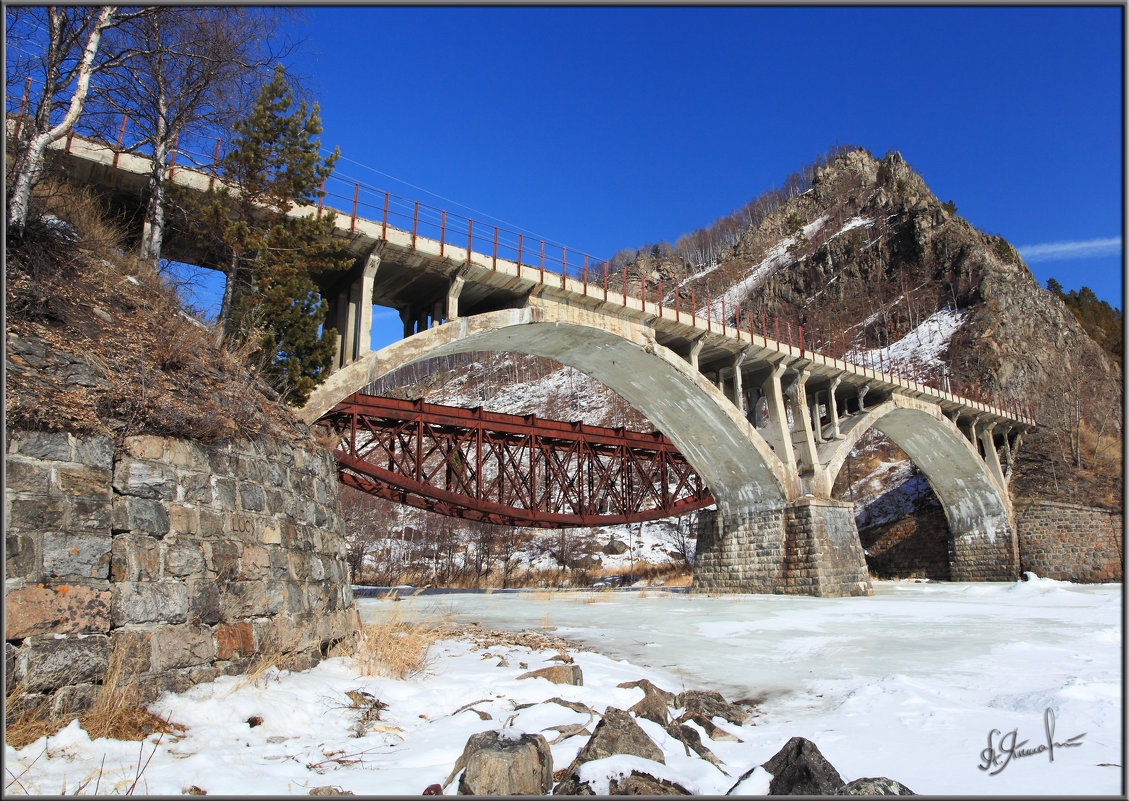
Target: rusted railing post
{"type": "Point", "coordinates": [494, 263]}
{"type": "Point", "coordinates": [469, 238]}
{"type": "Point", "coordinates": [384, 225]}
{"type": "Point", "coordinates": [443, 234]}
{"type": "Point", "coordinates": [519, 247]}
{"type": "Point", "coordinates": [121, 138]}
{"type": "Point", "coordinates": [415, 221]}
{"type": "Point", "coordinates": [353, 218]}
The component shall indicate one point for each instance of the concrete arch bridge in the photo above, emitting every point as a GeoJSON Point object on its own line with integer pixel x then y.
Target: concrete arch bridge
{"type": "Point", "coordinates": [765, 415]}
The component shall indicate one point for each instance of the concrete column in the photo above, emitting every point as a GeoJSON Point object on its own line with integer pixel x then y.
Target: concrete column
{"type": "Point", "coordinates": [407, 317]}
{"type": "Point", "coordinates": [776, 432]}
{"type": "Point", "coordinates": [738, 392]}
{"type": "Point", "coordinates": [991, 455]}
{"type": "Point", "coordinates": [437, 310]}
{"type": "Point", "coordinates": [816, 425]}
{"type": "Point", "coordinates": [420, 319]}
{"type": "Point", "coordinates": [364, 330]}
{"type": "Point", "coordinates": [865, 388]}
{"type": "Point", "coordinates": [1008, 455]}
{"type": "Point", "coordinates": [453, 291]}
{"type": "Point", "coordinates": [696, 349]}
{"type": "Point", "coordinates": [802, 436]}
{"type": "Point", "coordinates": [833, 407]}
{"type": "Point", "coordinates": [342, 324]}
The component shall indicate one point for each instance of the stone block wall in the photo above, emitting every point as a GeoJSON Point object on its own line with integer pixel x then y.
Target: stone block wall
{"type": "Point", "coordinates": [1068, 542]}
{"type": "Point", "coordinates": [915, 546]}
{"type": "Point", "coordinates": [190, 560]}
{"type": "Point", "coordinates": [740, 554]}
{"type": "Point", "coordinates": [809, 547]}
{"type": "Point", "coordinates": [986, 554]}
{"type": "Point", "coordinates": [824, 555]}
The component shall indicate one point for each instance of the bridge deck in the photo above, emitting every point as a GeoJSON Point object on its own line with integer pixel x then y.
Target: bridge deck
{"type": "Point", "coordinates": [417, 271]}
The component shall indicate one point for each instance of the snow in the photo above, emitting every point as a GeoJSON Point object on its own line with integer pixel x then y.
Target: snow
{"type": "Point", "coordinates": [907, 683]}
{"type": "Point", "coordinates": [922, 346]}
{"type": "Point", "coordinates": [61, 228]}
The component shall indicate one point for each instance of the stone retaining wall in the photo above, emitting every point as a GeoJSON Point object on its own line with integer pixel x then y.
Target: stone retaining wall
{"type": "Point", "coordinates": [190, 560]}
{"type": "Point", "coordinates": [1068, 542]}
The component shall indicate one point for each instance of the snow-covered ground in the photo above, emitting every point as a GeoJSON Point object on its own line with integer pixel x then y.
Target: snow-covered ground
{"type": "Point", "coordinates": [915, 683]}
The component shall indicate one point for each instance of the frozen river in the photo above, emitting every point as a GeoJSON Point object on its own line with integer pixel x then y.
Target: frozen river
{"type": "Point", "coordinates": [908, 683]}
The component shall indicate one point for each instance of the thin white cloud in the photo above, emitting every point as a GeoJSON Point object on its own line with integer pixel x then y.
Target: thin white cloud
{"type": "Point", "coordinates": [1061, 251]}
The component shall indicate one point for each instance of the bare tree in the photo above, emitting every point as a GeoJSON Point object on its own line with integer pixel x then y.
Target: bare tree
{"type": "Point", "coordinates": [67, 41]}
{"type": "Point", "coordinates": [195, 71]}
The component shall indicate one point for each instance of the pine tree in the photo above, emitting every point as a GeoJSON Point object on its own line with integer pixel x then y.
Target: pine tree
{"type": "Point", "coordinates": [271, 259]}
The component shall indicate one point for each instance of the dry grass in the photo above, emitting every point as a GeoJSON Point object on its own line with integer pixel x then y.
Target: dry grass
{"type": "Point", "coordinates": [398, 646]}
{"type": "Point", "coordinates": [154, 369]}
{"type": "Point", "coordinates": [26, 721]}
{"type": "Point", "coordinates": [115, 713]}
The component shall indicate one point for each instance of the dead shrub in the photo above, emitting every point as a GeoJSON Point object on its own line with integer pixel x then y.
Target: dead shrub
{"type": "Point", "coordinates": [116, 712]}
{"type": "Point", "coordinates": [398, 646]}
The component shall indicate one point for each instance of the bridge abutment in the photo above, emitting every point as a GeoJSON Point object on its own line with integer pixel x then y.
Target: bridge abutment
{"type": "Point", "coordinates": [808, 547]}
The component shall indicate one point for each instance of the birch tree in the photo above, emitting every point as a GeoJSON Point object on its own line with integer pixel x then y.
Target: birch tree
{"type": "Point", "coordinates": [68, 39]}
{"type": "Point", "coordinates": [195, 72]}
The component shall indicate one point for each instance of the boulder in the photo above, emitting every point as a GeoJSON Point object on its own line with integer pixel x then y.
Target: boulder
{"type": "Point", "coordinates": [615, 547]}
{"type": "Point", "coordinates": [800, 769]}
{"type": "Point", "coordinates": [877, 786]}
{"type": "Point", "coordinates": [504, 763]}
{"type": "Point", "coordinates": [710, 704]}
{"type": "Point", "coordinates": [557, 674]}
{"type": "Point", "coordinates": [618, 733]}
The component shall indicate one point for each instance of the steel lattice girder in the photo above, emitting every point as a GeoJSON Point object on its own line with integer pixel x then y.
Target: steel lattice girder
{"type": "Point", "coordinates": [509, 469]}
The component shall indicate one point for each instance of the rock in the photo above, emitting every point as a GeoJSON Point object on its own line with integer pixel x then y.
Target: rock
{"type": "Point", "coordinates": [330, 790]}
{"type": "Point", "coordinates": [652, 707]}
{"type": "Point", "coordinates": [690, 738]}
{"type": "Point", "coordinates": [433, 789]}
{"type": "Point", "coordinates": [575, 706]}
{"type": "Point", "coordinates": [557, 674]}
{"type": "Point", "coordinates": [194, 790]}
{"type": "Point", "coordinates": [710, 703]}
{"type": "Point", "coordinates": [615, 547]}
{"type": "Point", "coordinates": [504, 763]}
{"type": "Point", "coordinates": [635, 783]}
{"type": "Point", "coordinates": [640, 783]}
{"type": "Point", "coordinates": [646, 686]}
{"type": "Point", "coordinates": [878, 786]}
{"type": "Point", "coordinates": [56, 610]}
{"type": "Point", "coordinates": [800, 769]}
{"type": "Point", "coordinates": [713, 731]}
{"type": "Point", "coordinates": [254, 720]}
{"type": "Point", "coordinates": [618, 733]}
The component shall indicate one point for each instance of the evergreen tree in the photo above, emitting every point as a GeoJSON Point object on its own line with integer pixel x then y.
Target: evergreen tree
{"type": "Point", "coordinates": [270, 258]}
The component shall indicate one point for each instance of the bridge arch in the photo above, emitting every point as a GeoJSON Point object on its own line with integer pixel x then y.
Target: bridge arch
{"type": "Point", "coordinates": [729, 454]}
{"type": "Point", "coordinates": [977, 508]}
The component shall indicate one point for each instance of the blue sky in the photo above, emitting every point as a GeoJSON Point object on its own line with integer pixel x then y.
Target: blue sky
{"type": "Point", "coordinates": [605, 128]}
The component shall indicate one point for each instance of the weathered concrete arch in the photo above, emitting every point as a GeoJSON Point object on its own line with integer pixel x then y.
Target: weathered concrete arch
{"type": "Point", "coordinates": [977, 508]}
{"type": "Point", "coordinates": [734, 460]}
